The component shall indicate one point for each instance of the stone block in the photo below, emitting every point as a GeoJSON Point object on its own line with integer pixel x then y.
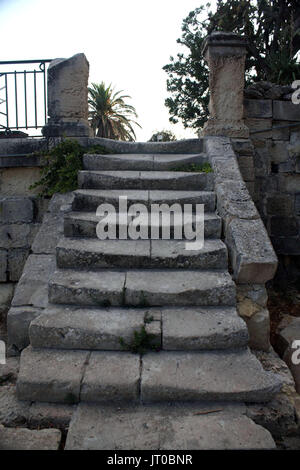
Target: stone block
{"type": "Point", "coordinates": [289, 183]}
{"type": "Point", "coordinates": [243, 147]}
{"type": "Point", "coordinates": [234, 201]}
{"type": "Point", "coordinates": [49, 234]}
{"type": "Point", "coordinates": [259, 330]}
{"type": "Point", "coordinates": [278, 151]}
{"type": "Point", "coordinates": [3, 265]}
{"type": "Point", "coordinates": [6, 293]}
{"type": "Point", "coordinates": [16, 261]}
{"type": "Point", "coordinates": [261, 159]}
{"type": "Point", "coordinates": [32, 288]}
{"type": "Point", "coordinates": [251, 262]}
{"type": "Point", "coordinates": [257, 108]}
{"type": "Point", "coordinates": [258, 126]}
{"type": "Point", "coordinates": [280, 205]}
{"type": "Point", "coordinates": [251, 298]}
{"type": "Point", "coordinates": [111, 376]}
{"type": "Point", "coordinates": [18, 322]}
{"type": "Point", "coordinates": [17, 235]}
{"type": "Point", "coordinates": [16, 209]}
{"type": "Point", "coordinates": [286, 111]}
{"type": "Point", "coordinates": [280, 133]}
{"type": "Point", "coordinates": [13, 412]}
{"type": "Point", "coordinates": [68, 97]}
{"type": "Point", "coordinates": [289, 334]}
{"type": "Point", "coordinates": [284, 226]}
{"type": "Point", "coordinates": [28, 439]}
{"type": "Point", "coordinates": [57, 375]}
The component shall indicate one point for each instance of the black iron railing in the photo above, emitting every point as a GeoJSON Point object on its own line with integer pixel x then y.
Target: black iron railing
{"type": "Point", "coordinates": [23, 95]}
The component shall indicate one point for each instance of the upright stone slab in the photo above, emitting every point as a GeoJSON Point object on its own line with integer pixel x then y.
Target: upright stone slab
{"type": "Point", "coordinates": [225, 54]}
{"type": "Point", "coordinates": [68, 97]}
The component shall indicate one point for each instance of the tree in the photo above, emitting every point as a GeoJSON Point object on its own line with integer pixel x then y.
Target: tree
{"type": "Point", "coordinates": [273, 32]}
{"type": "Point", "coordinates": [110, 116]}
{"type": "Point", "coordinates": [163, 136]}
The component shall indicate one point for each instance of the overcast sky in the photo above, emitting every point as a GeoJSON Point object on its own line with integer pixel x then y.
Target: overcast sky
{"type": "Point", "coordinates": [127, 42]}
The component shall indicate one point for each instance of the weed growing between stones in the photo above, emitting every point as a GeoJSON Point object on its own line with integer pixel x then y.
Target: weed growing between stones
{"type": "Point", "coordinates": [61, 165]}
{"type": "Point", "coordinates": [141, 342]}
{"type": "Point", "coordinates": [195, 168]}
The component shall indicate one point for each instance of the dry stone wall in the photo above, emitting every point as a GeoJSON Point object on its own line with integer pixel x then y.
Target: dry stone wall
{"type": "Point", "coordinates": [276, 159]}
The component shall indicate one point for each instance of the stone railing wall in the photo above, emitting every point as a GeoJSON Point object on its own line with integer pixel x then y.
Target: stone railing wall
{"type": "Point", "coordinates": [276, 158]}
{"type": "Point", "coordinates": [252, 259]}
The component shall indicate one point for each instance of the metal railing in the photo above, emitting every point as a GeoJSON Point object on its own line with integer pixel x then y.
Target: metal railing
{"type": "Point", "coordinates": [23, 95]}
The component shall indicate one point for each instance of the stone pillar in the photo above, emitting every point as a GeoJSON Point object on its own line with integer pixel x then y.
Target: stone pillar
{"type": "Point", "coordinates": [225, 54]}
{"type": "Point", "coordinates": [68, 98]}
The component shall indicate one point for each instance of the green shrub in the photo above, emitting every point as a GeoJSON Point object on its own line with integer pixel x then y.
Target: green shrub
{"type": "Point", "coordinates": [61, 165]}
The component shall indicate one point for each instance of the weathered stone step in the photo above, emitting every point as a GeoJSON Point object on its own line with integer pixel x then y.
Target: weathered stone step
{"type": "Point", "coordinates": [113, 376]}
{"type": "Point", "coordinates": [90, 199]}
{"type": "Point", "coordinates": [173, 328]}
{"type": "Point", "coordinates": [91, 254]}
{"type": "Point", "coordinates": [176, 180]}
{"type": "Point", "coordinates": [205, 426]}
{"type": "Point", "coordinates": [140, 162]}
{"type": "Point", "coordinates": [83, 224]}
{"type": "Point", "coordinates": [71, 327]}
{"type": "Point", "coordinates": [235, 375]}
{"type": "Point", "coordinates": [142, 288]}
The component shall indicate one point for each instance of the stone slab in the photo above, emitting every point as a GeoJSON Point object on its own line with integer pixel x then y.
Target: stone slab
{"type": "Point", "coordinates": [184, 287]}
{"type": "Point", "coordinates": [18, 321]}
{"type": "Point", "coordinates": [13, 412]}
{"type": "Point", "coordinates": [49, 234]}
{"type": "Point", "coordinates": [101, 288]}
{"type": "Point", "coordinates": [286, 111]}
{"type": "Point", "coordinates": [111, 377]}
{"type": "Point", "coordinates": [28, 439]}
{"type": "Point", "coordinates": [95, 427]}
{"type": "Point", "coordinates": [33, 285]}
{"type": "Point", "coordinates": [199, 328]}
{"type": "Point", "coordinates": [251, 262]}
{"type": "Point", "coordinates": [83, 328]}
{"type": "Point", "coordinates": [209, 376]}
{"type": "Point", "coordinates": [57, 375]}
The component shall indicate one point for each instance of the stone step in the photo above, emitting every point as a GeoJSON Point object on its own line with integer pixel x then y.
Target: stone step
{"type": "Point", "coordinates": [91, 254]}
{"type": "Point", "coordinates": [90, 199]}
{"type": "Point", "coordinates": [142, 288]}
{"type": "Point", "coordinates": [234, 375]}
{"type": "Point", "coordinates": [83, 224]}
{"type": "Point", "coordinates": [205, 426]}
{"type": "Point", "coordinates": [141, 162]}
{"type": "Point", "coordinates": [182, 329]}
{"type": "Point", "coordinates": [71, 376]}
{"type": "Point", "coordinates": [176, 180]}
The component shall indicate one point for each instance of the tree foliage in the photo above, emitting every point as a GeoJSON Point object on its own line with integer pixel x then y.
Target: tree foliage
{"type": "Point", "coordinates": [163, 136]}
{"type": "Point", "coordinates": [273, 32]}
{"type": "Point", "coordinates": [110, 115]}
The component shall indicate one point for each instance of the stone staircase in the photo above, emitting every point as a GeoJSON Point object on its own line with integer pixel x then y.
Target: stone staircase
{"type": "Point", "coordinates": [103, 291]}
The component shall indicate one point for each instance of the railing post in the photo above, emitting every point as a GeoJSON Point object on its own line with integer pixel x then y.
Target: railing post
{"type": "Point", "coordinates": [225, 54]}
{"type": "Point", "coordinates": [68, 98]}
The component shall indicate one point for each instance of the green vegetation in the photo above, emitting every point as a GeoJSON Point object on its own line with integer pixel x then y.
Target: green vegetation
{"type": "Point", "coordinates": [110, 116]}
{"type": "Point", "coordinates": [141, 342]}
{"type": "Point", "coordinates": [163, 136]}
{"type": "Point", "coordinates": [195, 167]}
{"type": "Point", "coordinates": [272, 29]}
{"type": "Point", "coordinates": [61, 165]}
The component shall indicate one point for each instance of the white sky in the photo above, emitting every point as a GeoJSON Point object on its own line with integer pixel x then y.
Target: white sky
{"type": "Point", "coordinates": [127, 42]}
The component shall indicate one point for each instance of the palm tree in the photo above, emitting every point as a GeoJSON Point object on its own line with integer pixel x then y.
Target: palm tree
{"type": "Point", "coordinates": [110, 116]}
